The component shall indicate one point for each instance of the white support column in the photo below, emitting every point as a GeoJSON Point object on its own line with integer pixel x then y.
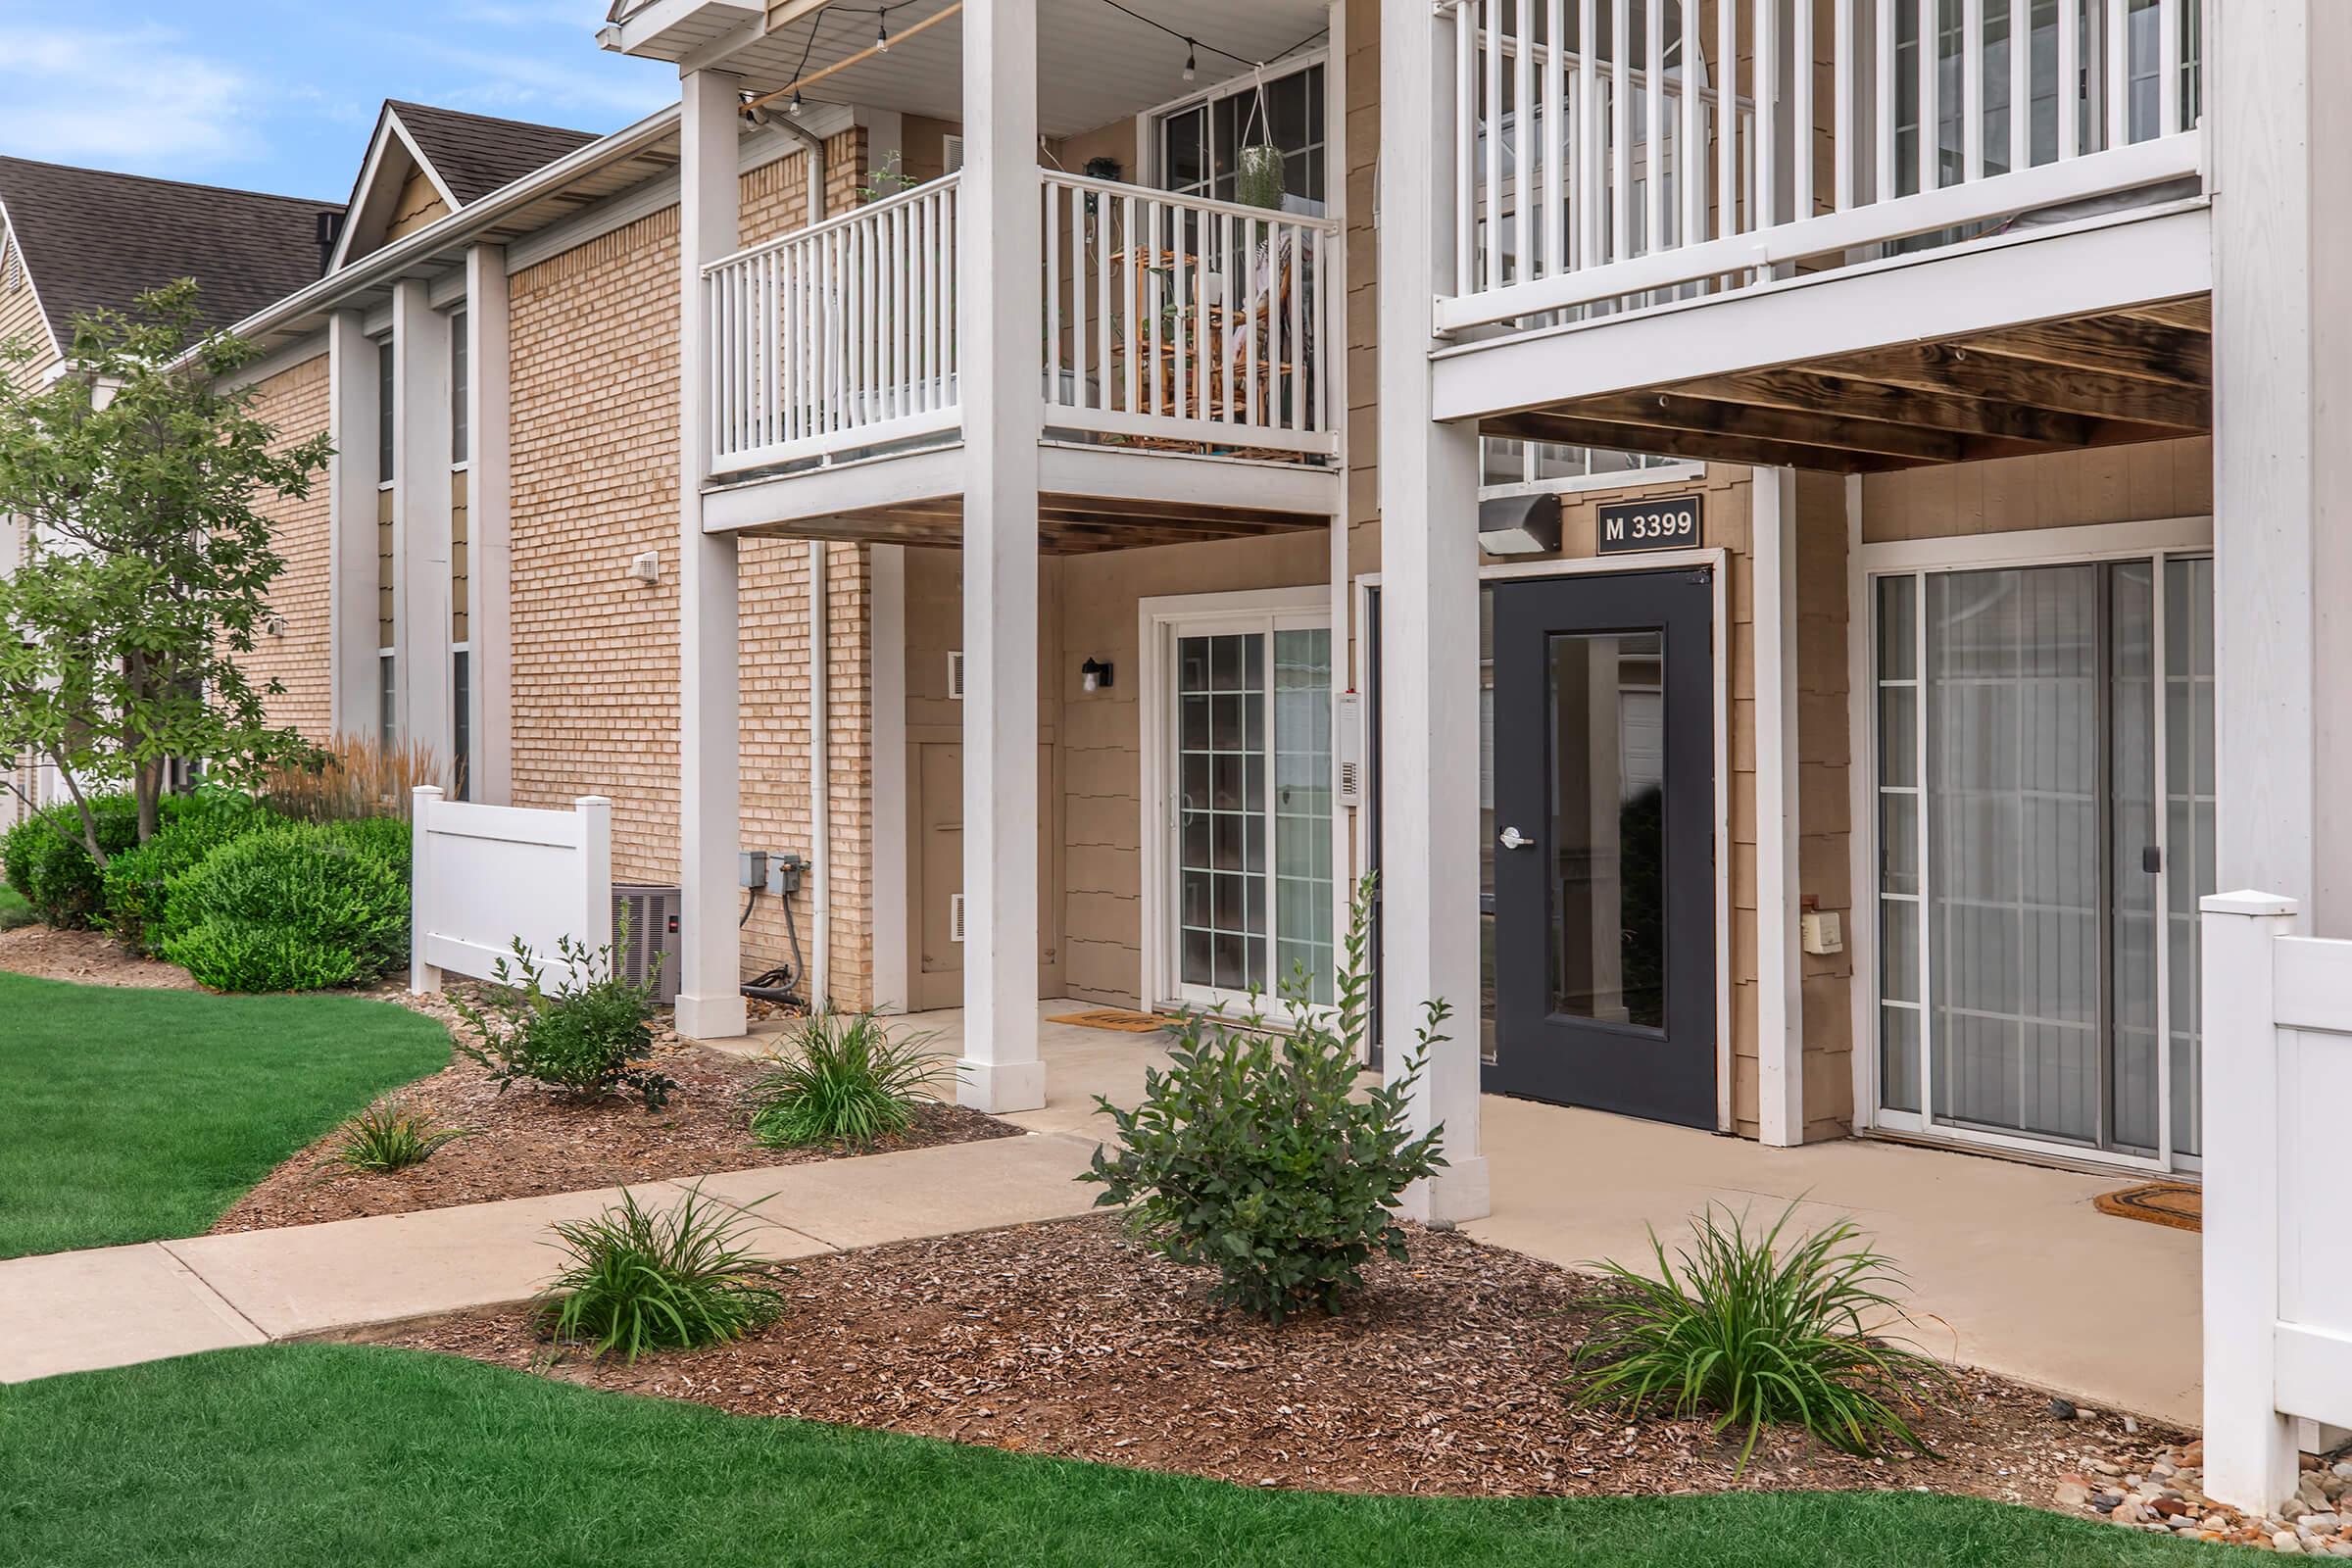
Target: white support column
{"type": "Point", "coordinates": [1780, 972]}
{"type": "Point", "coordinates": [2283, 504]}
{"type": "Point", "coordinates": [489, 503]}
{"type": "Point", "coordinates": [709, 809]}
{"type": "Point", "coordinates": [2250, 1446]}
{"type": "Point", "coordinates": [887, 639]}
{"type": "Point", "coordinates": [351, 422]}
{"type": "Point", "coordinates": [1429, 622]}
{"type": "Point", "coordinates": [421, 499]}
{"type": "Point", "coordinates": [1000, 322]}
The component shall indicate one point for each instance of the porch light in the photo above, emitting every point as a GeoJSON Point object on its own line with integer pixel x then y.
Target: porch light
{"type": "Point", "coordinates": [1094, 674]}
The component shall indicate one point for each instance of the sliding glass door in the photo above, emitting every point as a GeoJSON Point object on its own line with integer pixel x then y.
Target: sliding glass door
{"type": "Point", "coordinates": [2043, 746]}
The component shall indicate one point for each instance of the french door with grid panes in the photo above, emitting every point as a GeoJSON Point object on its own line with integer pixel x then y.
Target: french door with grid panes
{"type": "Point", "coordinates": [2044, 755]}
{"type": "Point", "coordinates": [1248, 791]}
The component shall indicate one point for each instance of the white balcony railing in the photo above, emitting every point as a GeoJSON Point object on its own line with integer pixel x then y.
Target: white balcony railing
{"type": "Point", "coordinates": [838, 335]}
{"type": "Point", "coordinates": [1169, 320]}
{"type": "Point", "coordinates": [1186, 321]}
{"type": "Point", "coordinates": [1578, 186]}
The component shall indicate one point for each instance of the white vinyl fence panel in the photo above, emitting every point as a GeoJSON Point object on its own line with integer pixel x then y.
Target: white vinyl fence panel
{"type": "Point", "coordinates": [2277, 1080]}
{"type": "Point", "coordinates": [484, 875]}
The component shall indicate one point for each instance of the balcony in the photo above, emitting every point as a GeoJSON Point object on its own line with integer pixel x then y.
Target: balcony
{"type": "Point", "coordinates": [1772, 238]}
{"type": "Point", "coordinates": [1172, 323]}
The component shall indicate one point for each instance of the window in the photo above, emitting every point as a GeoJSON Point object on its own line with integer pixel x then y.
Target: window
{"type": "Point", "coordinates": [384, 407]}
{"type": "Point", "coordinates": [1522, 467]}
{"type": "Point", "coordinates": [387, 708]}
{"type": "Point", "coordinates": [460, 390]}
{"type": "Point", "coordinates": [1199, 143]}
{"type": "Point", "coordinates": [460, 721]}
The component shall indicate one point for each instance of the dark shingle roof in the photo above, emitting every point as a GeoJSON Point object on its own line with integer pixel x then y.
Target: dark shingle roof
{"type": "Point", "coordinates": [475, 155]}
{"type": "Point", "coordinates": [97, 240]}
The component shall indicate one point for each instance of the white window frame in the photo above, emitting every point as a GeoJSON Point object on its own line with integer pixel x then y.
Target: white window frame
{"type": "Point", "coordinates": [1674, 470]}
{"type": "Point", "coordinates": [2085, 545]}
{"type": "Point", "coordinates": [1159, 621]}
{"type": "Point", "coordinates": [1152, 124]}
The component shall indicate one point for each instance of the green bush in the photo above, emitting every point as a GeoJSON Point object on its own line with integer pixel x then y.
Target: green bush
{"type": "Point", "coordinates": [299, 907]}
{"type": "Point", "coordinates": [43, 858]}
{"type": "Point", "coordinates": [391, 1135]}
{"type": "Point", "coordinates": [639, 1281]}
{"type": "Point", "coordinates": [1255, 1155]}
{"type": "Point", "coordinates": [1761, 1337]}
{"type": "Point", "coordinates": [847, 1080]}
{"type": "Point", "coordinates": [587, 1038]}
{"type": "Point", "coordinates": [134, 884]}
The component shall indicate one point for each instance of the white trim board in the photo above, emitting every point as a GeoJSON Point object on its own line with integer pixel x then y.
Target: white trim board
{"type": "Point", "coordinates": [1717, 562]}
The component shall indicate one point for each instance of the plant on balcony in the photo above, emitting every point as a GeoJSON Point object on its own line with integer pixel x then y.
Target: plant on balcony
{"type": "Point", "coordinates": [887, 180]}
{"type": "Point", "coordinates": [1761, 1335]}
{"type": "Point", "coordinates": [1257, 179]}
{"type": "Point", "coordinates": [1255, 1155]}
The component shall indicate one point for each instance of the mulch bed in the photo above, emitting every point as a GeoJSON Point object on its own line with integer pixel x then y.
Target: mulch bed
{"type": "Point", "coordinates": [1444, 1378]}
{"type": "Point", "coordinates": [85, 957]}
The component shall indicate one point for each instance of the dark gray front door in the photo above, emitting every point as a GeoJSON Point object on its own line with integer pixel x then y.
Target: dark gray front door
{"type": "Point", "coordinates": [1604, 822]}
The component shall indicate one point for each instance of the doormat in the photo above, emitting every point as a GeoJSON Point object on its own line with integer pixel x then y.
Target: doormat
{"type": "Point", "coordinates": [2174, 1204]}
{"type": "Point", "coordinates": [1119, 1019]}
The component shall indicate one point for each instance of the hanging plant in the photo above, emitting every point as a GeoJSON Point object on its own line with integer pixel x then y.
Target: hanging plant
{"type": "Point", "coordinates": [1258, 177]}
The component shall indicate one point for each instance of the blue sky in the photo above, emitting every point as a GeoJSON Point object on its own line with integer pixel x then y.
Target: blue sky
{"type": "Point", "coordinates": [280, 96]}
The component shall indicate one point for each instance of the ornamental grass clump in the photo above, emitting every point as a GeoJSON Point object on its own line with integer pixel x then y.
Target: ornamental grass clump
{"type": "Point", "coordinates": [847, 1080]}
{"type": "Point", "coordinates": [391, 1135]}
{"type": "Point", "coordinates": [1254, 1153]}
{"type": "Point", "coordinates": [1763, 1336]}
{"type": "Point", "coordinates": [639, 1280]}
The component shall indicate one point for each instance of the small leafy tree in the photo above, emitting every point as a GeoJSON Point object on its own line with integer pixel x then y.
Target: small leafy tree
{"type": "Point", "coordinates": [148, 563]}
{"type": "Point", "coordinates": [1255, 1155]}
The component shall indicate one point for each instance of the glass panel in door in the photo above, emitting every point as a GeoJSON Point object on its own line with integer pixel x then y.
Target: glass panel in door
{"type": "Point", "coordinates": [1607, 832]}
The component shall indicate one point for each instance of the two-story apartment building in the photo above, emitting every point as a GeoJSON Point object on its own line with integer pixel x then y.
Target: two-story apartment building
{"type": "Point", "coordinates": [1096, 482]}
{"type": "Point", "coordinates": [73, 241]}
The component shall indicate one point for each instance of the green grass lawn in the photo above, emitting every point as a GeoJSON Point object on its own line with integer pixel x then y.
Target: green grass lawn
{"type": "Point", "coordinates": [13, 910]}
{"type": "Point", "coordinates": [336, 1454]}
{"type": "Point", "coordinates": [131, 1115]}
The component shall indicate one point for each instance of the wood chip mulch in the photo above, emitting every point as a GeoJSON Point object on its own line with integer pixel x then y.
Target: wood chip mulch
{"type": "Point", "coordinates": [528, 1140]}
{"type": "Point", "coordinates": [85, 957]}
{"type": "Point", "coordinates": [1445, 1377]}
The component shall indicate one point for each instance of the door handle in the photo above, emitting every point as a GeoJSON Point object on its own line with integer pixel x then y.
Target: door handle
{"type": "Point", "coordinates": [1512, 839]}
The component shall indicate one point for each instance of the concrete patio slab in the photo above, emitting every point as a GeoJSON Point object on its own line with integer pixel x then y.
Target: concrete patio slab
{"type": "Point", "coordinates": [920, 1192]}
{"type": "Point", "coordinates": [108, 1306]}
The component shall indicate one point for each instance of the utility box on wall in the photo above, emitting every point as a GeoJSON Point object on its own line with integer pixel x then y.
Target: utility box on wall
{"type": "Point", "coordinates": [645, 926]}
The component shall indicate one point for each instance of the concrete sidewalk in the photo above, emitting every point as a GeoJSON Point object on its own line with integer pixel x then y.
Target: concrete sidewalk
{"type": "Point", "coordinates": [116, 1305]}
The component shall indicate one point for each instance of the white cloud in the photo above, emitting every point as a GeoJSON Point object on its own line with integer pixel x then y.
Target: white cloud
{"type": "Point", "coordinates": [134, 99]}
{"type": "Point", "coordinates": [516, 84]}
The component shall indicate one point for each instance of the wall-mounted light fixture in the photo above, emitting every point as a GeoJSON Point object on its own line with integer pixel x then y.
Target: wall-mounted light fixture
{"type": "Point", "coordinates": [1519, 526]}
{"type": "Point", "coordinates": [1094, 674]}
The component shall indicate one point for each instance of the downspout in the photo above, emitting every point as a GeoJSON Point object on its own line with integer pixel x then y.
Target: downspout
{"type": "Point", "coordinates": [815, 146]}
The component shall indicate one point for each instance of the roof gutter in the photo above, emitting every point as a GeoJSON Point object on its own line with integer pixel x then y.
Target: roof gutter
{"type": "Point", "coordinates": [382, 266]}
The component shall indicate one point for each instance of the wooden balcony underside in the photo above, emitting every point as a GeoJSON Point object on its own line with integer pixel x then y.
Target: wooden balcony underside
{"type": "Point", "coordinates": [2139, 373]}
{"type": "Point", "coordinates": [1067, 524]}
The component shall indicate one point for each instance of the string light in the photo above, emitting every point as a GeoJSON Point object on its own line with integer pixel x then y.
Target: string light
{"type": "Point", "coordinates": [1192, 62]}
{"type": "Point", "coordinates": [882, 30]}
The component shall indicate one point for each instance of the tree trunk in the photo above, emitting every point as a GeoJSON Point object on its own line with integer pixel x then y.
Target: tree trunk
{"type": "Point", "coordinates": [149, 784]}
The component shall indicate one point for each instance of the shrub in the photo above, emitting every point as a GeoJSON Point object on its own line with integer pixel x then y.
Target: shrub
{"type": "Point", "coordinates": [587, 1038]}
{"type": "Point", "coordinates": [1254, 1154]}
{"type": "Point", "coordinates": [356, 779]}
{"type": "Point", "coordinates": [134, 883]}
{"type": "Point", "coordinates": [846, 1082]}
{"type": "Point", "coordinates": [390, 1136]}
{"type": "Point", "coordinates": [295, 907]}
{"type": "Point", "coordinates": [1761, 1336]}
{"type": "Point", "coordinates": [45, 859]}
{"type": "Point", "coordinates": [639, 1281]}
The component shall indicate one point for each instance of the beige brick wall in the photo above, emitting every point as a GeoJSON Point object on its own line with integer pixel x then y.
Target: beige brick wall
{"type": "Point", "coordinates": [300, 656]}
{"type": "Point", "coordinates": [595, 396]}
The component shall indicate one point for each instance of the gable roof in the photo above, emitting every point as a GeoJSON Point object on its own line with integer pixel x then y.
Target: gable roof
{"type": "Point", "coordinates": [469, 156]}
{"type": "Point", "coordinates": [462, 157]}
{"type": "Point", "coordinates": [95, 240]}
